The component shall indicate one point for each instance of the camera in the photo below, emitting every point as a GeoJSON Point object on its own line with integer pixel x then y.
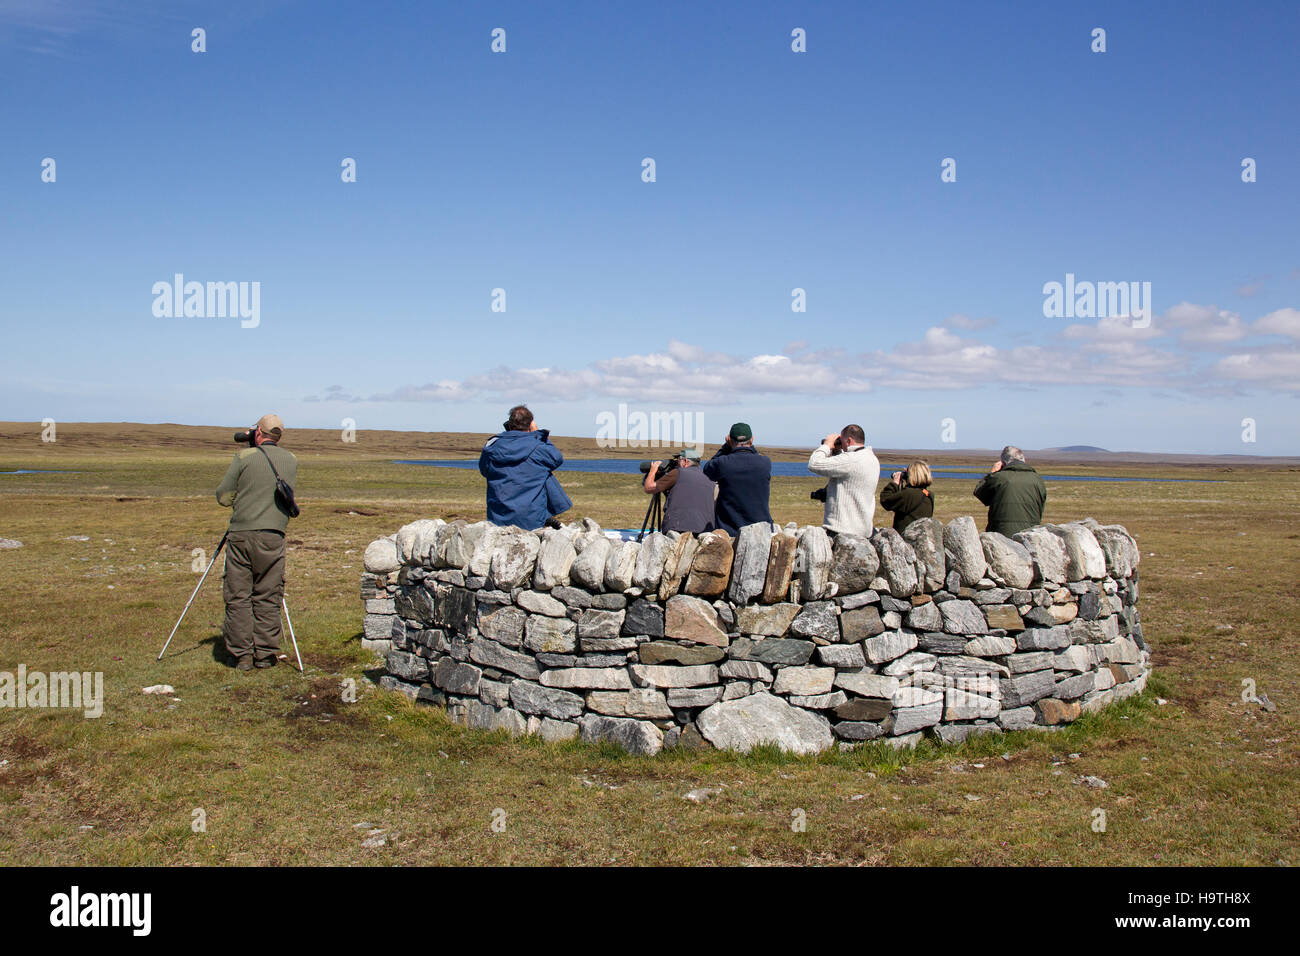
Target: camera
{"type": "Point", "coordinates": [818, 495]}
{"type": "Point", "coordinates": [668, 464]}
{"type": "Point", "coordinates": [245, 438]}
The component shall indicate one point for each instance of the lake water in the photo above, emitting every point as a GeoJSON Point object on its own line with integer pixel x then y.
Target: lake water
{"type": "Point", "coordinates": [780, 469]}
{"type": "Point", "coordinates": [37, 471]}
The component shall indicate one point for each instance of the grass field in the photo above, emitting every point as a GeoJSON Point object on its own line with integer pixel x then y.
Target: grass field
{"type": "Point", "coordinates": [285, 772]}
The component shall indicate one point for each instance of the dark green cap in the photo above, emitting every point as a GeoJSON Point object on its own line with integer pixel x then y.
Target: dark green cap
{"type": "Point", "coordinates": [741, 432]}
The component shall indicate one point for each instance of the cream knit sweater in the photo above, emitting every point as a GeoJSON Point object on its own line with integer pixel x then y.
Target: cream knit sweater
{"type": "Point", "coordinates": [851, 490]}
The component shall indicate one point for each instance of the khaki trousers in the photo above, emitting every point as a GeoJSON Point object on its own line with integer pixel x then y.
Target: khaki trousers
{"type": "Point", "coordinates": [253, 588]}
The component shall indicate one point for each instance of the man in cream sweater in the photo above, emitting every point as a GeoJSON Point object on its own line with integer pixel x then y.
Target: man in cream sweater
{"type": "Point", "coordinates": [853, 472]}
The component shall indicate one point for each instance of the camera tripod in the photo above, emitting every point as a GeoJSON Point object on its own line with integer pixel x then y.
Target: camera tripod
{"type": "Point", "coordinates": [284, 607]}
{"type": "Point", "coordinates": [654, 516]}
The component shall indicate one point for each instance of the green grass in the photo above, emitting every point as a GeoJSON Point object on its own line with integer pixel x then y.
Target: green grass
{"type": "Point", "coordinates": [285, 771]}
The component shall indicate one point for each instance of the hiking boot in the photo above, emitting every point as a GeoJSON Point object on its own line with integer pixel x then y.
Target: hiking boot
{"type": "Point", "coordinates": [269, 662]}
{"type": "Point", "coordinates": [244, 664]}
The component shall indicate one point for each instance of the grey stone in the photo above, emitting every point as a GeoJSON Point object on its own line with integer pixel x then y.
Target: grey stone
{"type": "Point", "coordinates": [760, 719]}
{"type": "Point", "coordinates": [961, 539]}
{"type": "Point", "coordinates": [494, 692]}
{"type": "Point", "coordinates": [677, 564]}
{"type": "Point", "coordinates": [804, 681]}
{"type": "Point", "coordinates": [745, 670]}
{"type": "Point", "coordinates": [820, 701]}
{"type": "Point", "coordinates": [812, 563]}
{"type": "Point", "coordinates": [531, 698]}
{"type": "Point", "coordinates": [1016, 718]}
{"type": "Point", "coordinates": [1048, 553]}
{"type": "Point", "coordinates": [670, 652]}
{"type": "Point", "coordinates": [550, 634]}
{"type": "Point", "coordinates": [887, 646]}
{"type": "Point", "coordinates": [925, 617]}
{"type": "Point", "coordinates": [843, 656]}
{"type": "Point", "coordinates": [749, 569]}
{"type": "Point", "coordinates": [854, 563]}
{"type": "Point", "coordinates": [963, 617]}
{"type": "Point", "coordinates": [502, 623]}
{"type": "Point", "coordinates": [414, 540]}
{"type": "Point", "coordinates": [650, 557]}
{"type": "Point", "coordinates": [964, 705]}
{"type": "Point", "coordinates": [1084, 557]}
{"type": "Point", "coordinates": [867, 684]}
{"type": "Point", "coordinates": [596, 623]}
{"type": "Point", "coordinates": [910, 663]}
{"type": "Point", "coordinates": [406, 666]}
{"type": "Point", "coordinates": [488, 653]}
{"type": "Point", "coordinates": [990, 646]}
{"type": "Point", "coordinates": [381, 556]}
{"type": "Point", "coordinates": [540, 603]}
{"type": "Point", "coordinates": [690, 697]}
{"type": "Point", "coordinates": [512, 563]}
{"type": "Point", "coordinates": [1009, 562]}
{"type": "Point", "coordinates": [770, 620]}
{"type": "Point", "coordinates": [572, 597]}
{"type": "Point", "coordinates": [608, 602]}
{"type": "Point", "coordinates": [643, 617]}
{"type": "Point", "coordinates": [1028, 661]}
{"type": "Point", "coordinates": [897, 562]}
{"type": "Point", "coordinates": [456, 678]}
{"type": "Point", "coordinates": [641, 702]}
{"type": "Point", "coordinates": [925, 535]}
{"type": "Point", "coordinates": [555, 560]}
{"type": "Point", "coordinates": [771, 650]}
{"type": "Point", "coordinates": [937, 642]}
{"type": "Point", "coordinates": [1021, 689]}
{"type": "Point", "coordinates": [905, 720]}
{"type": "Point", "coordinates": [634, 736]}
{"type": "Point", "coordinates": [667, 675]}
{"type": "Point", "coordinates": [588, 570]}
{"type": "Point", "coordinates": [557, 731]}
{"type": "Point", "coordinates": [857, 730]}
{"type": "Point", "coordinates": [588, 678]}
{"type": "Point", "coordinates": [852, 602]}
{"type": "Point", "coordinates": [816, 622]}
{"type": "Point", "coordinates": [1044, 638]}
{"type": "Point", "coordinates": [621, 566]}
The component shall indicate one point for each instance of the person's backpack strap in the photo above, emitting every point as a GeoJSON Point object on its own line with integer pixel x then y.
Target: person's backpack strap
{"type": "Point", "coordinates": [283, 490]}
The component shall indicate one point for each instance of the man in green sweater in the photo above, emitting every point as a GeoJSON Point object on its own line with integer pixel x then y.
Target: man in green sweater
{"type": "Point", "coordinates": [1014, 492]}
{"type": "Point", "coordinates": [253, 586]}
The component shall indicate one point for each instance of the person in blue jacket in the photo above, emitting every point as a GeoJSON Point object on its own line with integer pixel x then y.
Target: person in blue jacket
{"type": "Point", "coordinates": [518, 466]}
{"type": "Point", "coordinates": [744, 480]}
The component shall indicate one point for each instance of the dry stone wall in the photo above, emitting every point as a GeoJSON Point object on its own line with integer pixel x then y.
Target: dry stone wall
{"type": "Point", "coordinates": [779, 636]}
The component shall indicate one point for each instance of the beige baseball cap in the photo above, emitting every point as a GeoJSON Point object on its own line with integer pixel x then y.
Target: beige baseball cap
{"type": "Point", "coordinates": [271, 425]}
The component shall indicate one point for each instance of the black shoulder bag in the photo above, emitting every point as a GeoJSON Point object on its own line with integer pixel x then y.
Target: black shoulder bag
{"type": "Point", "coordinates": [283, 490]}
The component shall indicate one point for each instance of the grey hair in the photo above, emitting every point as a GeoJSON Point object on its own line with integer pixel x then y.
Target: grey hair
{"type": "Point", "coordinates": [1012, 453]}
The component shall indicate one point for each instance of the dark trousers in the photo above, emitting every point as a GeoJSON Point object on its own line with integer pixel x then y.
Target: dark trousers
{"type": "Point", "coordinates": [253, 588]}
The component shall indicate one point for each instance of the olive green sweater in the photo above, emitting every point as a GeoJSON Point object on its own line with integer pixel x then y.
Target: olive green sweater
{"type": "Point", "coordinates": [249, 487]}
{"type": "Point", "coordinates": [1015, 495]}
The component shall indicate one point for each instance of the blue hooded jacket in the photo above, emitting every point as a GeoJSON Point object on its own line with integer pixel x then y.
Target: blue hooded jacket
{"type": "Point", "coordinates": [520, 487]}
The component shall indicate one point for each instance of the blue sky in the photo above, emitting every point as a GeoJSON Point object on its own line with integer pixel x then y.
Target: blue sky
{"type": "Point", "coordinates": [775, 170]}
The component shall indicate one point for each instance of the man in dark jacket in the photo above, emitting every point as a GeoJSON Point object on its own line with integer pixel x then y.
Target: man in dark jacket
{"type": "Point", "coordinates": [517, 465]}
{"type": "Point", "coordinates": [253, 583]}
{"type": "Point", "coordinates": [1014, 492]}
{"type": "Point", "coordinates": [744, 480]}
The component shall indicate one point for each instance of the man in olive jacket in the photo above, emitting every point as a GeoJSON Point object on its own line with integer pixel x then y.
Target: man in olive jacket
{"type": "Point", "coordinates": [253, 586]}
{"type": "Point", "coordinates": [1014, 492]}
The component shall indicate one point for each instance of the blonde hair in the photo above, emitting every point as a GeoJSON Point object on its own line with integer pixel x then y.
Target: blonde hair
{"type": "Point", "coordinates": [918, 474]}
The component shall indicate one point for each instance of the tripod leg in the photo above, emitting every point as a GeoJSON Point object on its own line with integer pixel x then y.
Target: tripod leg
{"type": "Point", "coordinates": [288, 620]}
{"type": "Point", "coordinates": [194, 595]}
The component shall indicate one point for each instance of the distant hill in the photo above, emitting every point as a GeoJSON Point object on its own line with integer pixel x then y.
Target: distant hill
{"type": "Point", "coordinates": [1078, 448]}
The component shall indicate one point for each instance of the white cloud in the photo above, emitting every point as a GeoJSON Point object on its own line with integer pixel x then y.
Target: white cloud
{"type": "Point", "coordinates": [1109, 353]}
